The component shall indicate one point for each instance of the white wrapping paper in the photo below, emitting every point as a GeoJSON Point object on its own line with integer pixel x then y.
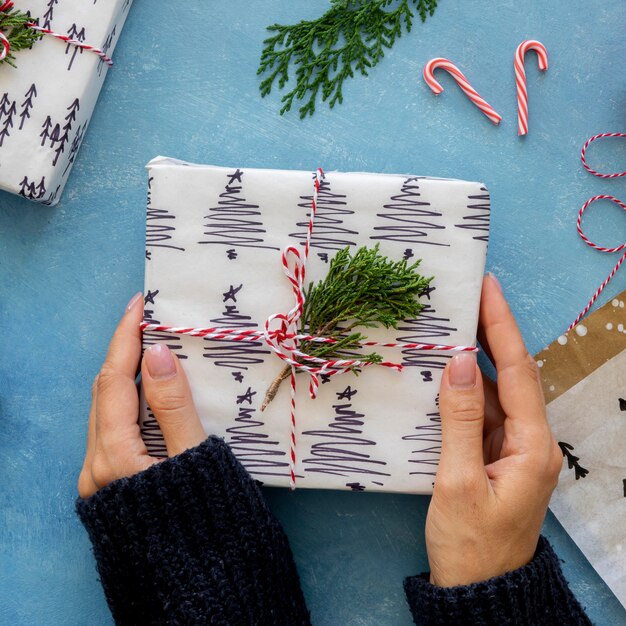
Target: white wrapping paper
{"type": "Point", "coordinates": [213, 244]}
{"type": "Point", "coordinates": [47, 101]}
{"type": "Point", "coordinates": [584, 380]}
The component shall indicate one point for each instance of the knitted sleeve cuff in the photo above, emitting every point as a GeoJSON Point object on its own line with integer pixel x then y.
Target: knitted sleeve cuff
{"type": "Point", "coordinates": [191, 540]}
{"type": "Point", "coordinates": [536, 594]}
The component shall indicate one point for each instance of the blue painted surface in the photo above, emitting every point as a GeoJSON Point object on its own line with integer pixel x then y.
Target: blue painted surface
{"type": "Point", "coordinates": [67, 272]}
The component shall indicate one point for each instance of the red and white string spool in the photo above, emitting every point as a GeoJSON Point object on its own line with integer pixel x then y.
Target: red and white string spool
{"type": "Point", "coordinates": [280, 333]}
{"type": "Point", "coordinates": [463, 83]}
{"type": "Point", "coordinates": [584, 150]}
{"type": "Point", "coordinates": [520, 79]}
{"type": "Point", "coordinates": [6, 47]}
{"type": "Point", "coordinates": [600, 249]}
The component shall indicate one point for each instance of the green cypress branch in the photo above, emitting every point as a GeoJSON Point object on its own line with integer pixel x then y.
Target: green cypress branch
{"type": "Point", "coordinates": [351, 36]}
{"type": "Point", "coordinates": [13, 24]}
{"type": "Point", "coordinates": [364, 289]}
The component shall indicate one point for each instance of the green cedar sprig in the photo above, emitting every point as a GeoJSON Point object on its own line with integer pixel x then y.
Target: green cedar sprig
{"type": "Point", "coordinates": [20, 36]}
{"type": "Point", "coordinates": [364, 289]}
{"type": "Point", "coordinates": [351, 36]}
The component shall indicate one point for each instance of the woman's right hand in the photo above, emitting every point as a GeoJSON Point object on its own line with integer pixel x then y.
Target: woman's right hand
{"type": "Point", "coordinates": [499, 461]}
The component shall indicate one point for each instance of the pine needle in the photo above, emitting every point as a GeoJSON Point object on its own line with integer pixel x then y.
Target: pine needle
{"type": "Point", "coordinates": [364, 289]}
{"type": "Point", "coordinates": [351, 36]}
{"type": "Point", "coordinates": [13, 24]}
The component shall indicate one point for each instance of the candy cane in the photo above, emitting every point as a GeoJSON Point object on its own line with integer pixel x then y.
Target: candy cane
{"type": "Point", "coordinates": [463, 83]}
{"type": "Point", "coordinates": [584, 149]}
{"type": "Point", "coordinates": [520, 79]}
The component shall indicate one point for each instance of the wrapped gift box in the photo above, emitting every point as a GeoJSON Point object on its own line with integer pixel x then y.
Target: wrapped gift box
{"type": "Point", "coordinates": [213, 242]}
{"type": "Point", "coordinates": [47, 101]}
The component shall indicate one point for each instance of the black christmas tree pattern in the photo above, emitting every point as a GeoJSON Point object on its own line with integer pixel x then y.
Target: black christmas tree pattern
{"type": "Point", "coordinates": [329, 232]}
{"type": "Point", "coordinates": [477, 220]}
{"type": "Point", "coordinates": [8, 109]}
{"type": "Point", "coordinates": [31, 190]}
{"type": "Point", "coordinates": [407, 219]}
{"type": "Point", "coordinates": [429, 327]}
{"type": "Point", "coordinates": [27, 105]}
{"type": "Point", "coordinates": [572, 460]}
{"type": "Point", "coordinates": [48, 15]}
{"type": "Point", "coordinates": [427, 440]}
{"type": "Point", "coordinates": [74, 147]}
{"type": "Point", "coordinates": [257, 451]}
{"type": "Point", "coordinates": [340, 449]}
{"type": "Point", "coordinates": [150, 338]}
{"type": "Point", "coordinates": [234, 221]}
{"type": "Point", "coordinates": [58, 136]}
{"type": "Point", "coordinates": [152, 435]}
{"type": "Point", "coordinates": [150, 430]}
{"type": "Point", "coordinates": [159, 226]}
{"type": "Point", "coordinates": [34, 190]}
{"type": "Point", "coordinates": [235, 355]}
{"type": "Point", "coordinates": [105, 48]}
{"type": "Point", "coordinates": [78, 34]}
{"type": "Point", "coordinates": [52, 196]}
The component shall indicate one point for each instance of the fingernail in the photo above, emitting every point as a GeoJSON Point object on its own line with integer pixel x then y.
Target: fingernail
{"type": "Point", "coordinates": [160, 362]}
{"type": "Point", "coordinates": [462, 373]}
{"type": "Point", "coordinates": [495, 280]}
{"type": "Point", "coordinates": [134, 300]}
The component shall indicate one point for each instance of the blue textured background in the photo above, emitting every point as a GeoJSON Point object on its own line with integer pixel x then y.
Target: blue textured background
{"type": "Point", "coordinates": [185, 85]}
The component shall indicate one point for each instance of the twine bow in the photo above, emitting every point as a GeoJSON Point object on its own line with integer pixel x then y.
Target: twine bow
{"type": "Point", "coordinates": [284, 340]}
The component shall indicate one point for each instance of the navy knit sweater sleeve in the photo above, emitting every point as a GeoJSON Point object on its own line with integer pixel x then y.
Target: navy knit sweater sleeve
{"type": "Point", "coordinates": [534, 595]}
{"type": "Point", "coordinates": [192, 541]}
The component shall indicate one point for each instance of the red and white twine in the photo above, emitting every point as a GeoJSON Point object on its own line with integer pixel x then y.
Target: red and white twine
{"type": "Point", "coordinates": [520, 79]}
{"type": "Point", "coordinates": [463, 83]}
{"type": "Point", "coordinates": [280, 333]}
{"type": "Point", "coordinates": [584, 150]}
{"type": "Point", "coordinates": [5, 46]}
{"type": "Point", "coordinates": [595, 246]}
{"type": "Point", "coordinates": [582, 235]}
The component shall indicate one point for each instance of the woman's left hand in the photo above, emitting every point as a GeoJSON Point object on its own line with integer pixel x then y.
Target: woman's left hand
{"type": "Point", "coordinates": [114, 445]}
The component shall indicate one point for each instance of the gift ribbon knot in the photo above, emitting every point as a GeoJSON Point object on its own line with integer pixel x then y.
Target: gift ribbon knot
{"type": "Point", "coordinates": [6, 46]}
{"type": "Point", "coordinates": [281, 334]}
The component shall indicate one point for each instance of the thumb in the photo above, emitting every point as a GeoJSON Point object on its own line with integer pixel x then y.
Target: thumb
{"type": "Point", "coordinates": [462, 408]}
{"type": "Point", "coordinates": [169, 397]}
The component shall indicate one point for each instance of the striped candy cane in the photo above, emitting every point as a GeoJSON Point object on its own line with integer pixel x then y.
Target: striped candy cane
{"type": "Point", "coordinates": [520, 79]}
{"type": "Point", "coordinates": [600, 249]}
{"type": "Point", "coordinates": [281, 335]}
{"type": "Point", "coordinates": [588, 143]}
{"type": "Point", "coordinates": [463, 83]}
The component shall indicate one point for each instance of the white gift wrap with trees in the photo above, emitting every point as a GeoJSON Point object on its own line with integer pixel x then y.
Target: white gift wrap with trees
{"type": "Point", "coordinates": [213, 258]}
{"type": "Point", "coordinates": [46, 101]}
